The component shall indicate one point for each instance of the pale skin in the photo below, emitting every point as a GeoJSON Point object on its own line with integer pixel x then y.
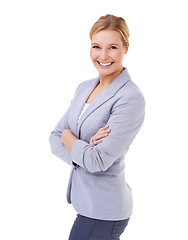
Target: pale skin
{"type": "Point", "coordinates": [107, 52]}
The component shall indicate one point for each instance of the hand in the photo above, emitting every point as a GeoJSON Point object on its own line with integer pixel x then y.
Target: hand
{"type": "Point", "coordinates": [68, 139]}
{"type": "Point", "coordinates": [64, 133]}
{"type": "Point", "coordinates": [101, 133]}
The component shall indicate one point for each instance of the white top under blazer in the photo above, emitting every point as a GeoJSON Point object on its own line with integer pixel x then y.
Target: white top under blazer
{"type": "Point", "coordinates": [83, 110]}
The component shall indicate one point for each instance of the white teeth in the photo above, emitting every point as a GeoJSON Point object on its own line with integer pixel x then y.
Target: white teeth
{"type": "Point", "coordinates": [105, 64]}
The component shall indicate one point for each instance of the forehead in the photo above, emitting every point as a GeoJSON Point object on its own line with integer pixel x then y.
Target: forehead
{"type": "Point", "coordinates": [107, 37]}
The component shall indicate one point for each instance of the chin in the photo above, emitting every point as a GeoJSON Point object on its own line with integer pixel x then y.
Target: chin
{"type": "Point", "coordinates": [103, 68]}
{"type": "Point", "coordinates": [106, 72]}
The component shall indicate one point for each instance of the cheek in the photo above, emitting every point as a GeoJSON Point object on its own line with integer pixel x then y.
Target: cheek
{"type": "Point", "coordinates": [118, 57]}
{"type": "Point", "coordinates": [91, 55]}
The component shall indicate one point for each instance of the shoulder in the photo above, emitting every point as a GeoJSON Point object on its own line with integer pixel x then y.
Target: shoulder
{"type": "Point", "coordinates": [130, 101]}
{"type": "Point", "coordinates": [83, 85]}
{"type": "Point", "coordinates": [133, 91]}
{"type": "Point", "coordinates": [130, 93]}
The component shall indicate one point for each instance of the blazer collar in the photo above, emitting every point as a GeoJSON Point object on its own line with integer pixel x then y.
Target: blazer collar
{"type": "Point", "coordinates": [118, 83]}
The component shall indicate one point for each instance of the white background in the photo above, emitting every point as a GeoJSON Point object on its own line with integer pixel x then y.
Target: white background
{"type": "Point", "coordinates": [44, 55]}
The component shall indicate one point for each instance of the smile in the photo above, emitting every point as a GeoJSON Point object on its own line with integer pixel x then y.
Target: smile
{"type": "Point", "coordinates": [105, 64]}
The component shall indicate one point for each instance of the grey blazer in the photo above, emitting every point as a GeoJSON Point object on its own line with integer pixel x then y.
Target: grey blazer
{"type": "Point", "coordinates": [97, 186]}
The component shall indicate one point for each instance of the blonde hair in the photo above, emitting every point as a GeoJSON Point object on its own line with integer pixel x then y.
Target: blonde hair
{"type": "Point", "coordinates": [111, 22]}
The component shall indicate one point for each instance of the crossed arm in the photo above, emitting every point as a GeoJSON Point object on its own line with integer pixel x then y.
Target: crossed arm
{"type": "Point", "coordinates": [125, 121]}
{"type": "Point", "coordinates": [68, 139]}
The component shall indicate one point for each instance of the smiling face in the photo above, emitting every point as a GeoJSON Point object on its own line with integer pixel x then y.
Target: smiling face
{"type": "Point", "coordinates": [107, 52]}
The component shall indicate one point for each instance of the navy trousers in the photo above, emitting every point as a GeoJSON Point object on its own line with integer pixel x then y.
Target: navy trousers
{"type": "Point", "coordinates": [92, 229]}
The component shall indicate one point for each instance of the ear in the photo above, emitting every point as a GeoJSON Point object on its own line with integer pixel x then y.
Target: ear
{"type": "Point", "coordinates": [126, 48]}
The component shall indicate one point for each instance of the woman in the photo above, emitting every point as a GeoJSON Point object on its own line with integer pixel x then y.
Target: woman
{"type": "Point", "coordinates": [95, 134]}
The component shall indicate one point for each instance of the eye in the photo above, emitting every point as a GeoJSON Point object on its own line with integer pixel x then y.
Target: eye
{"type": "Point", "coordinates": [96, 47]}
{"type": "Point", "coordinates": [113, 47]}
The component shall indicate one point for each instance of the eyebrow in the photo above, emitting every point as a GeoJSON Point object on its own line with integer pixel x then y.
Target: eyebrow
{"type": "Point", "coordinates": [112, 44]}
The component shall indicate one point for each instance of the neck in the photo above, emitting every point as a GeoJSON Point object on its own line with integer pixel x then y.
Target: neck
{"type": "Point", "coordinates": [106, 80]}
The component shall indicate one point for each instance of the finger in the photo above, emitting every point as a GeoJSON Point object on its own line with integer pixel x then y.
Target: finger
{"type": "Point", "coordinates": [97, 142]}
{"type": "Point", "coordinates": [106, 128]}
{"type": "Point", "coordinates": [104, 131]}
{"type": "Point", "coordinates": [103, 128]}
{"type": "Point", "coordinates": [99, 136]}
{"type": "Point", "coordinates": [92, 141]}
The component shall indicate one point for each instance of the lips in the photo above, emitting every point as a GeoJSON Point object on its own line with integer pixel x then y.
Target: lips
{"type": "Point", "coordinates": [105, 64]}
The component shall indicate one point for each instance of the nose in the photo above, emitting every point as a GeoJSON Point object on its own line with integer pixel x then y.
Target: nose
{"type": "Point", "coordinates": [104, 54]}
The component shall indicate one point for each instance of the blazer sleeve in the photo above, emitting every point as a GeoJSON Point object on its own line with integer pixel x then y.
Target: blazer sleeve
{"type": "Point", "coordinates": [125, 121]}
{"type": "Point", "coordinates": [57, 147]}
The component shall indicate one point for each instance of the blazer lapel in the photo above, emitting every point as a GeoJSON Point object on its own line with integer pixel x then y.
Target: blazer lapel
{"type": "Point", "coordinates": [120, 81]}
